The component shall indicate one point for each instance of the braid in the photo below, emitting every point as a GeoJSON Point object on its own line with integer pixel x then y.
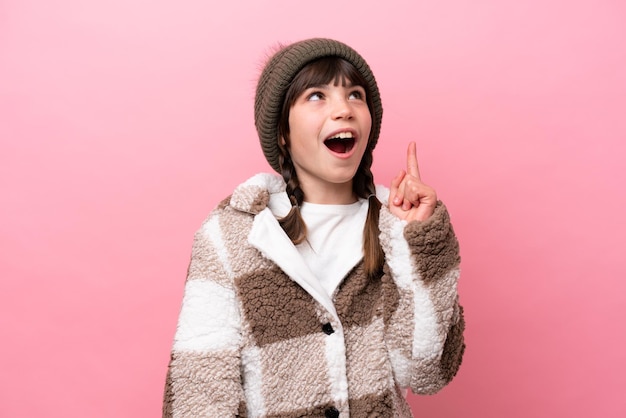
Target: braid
{"type": "Point", "coordinates": [364, 179]}
{"type": "Point", "coordinates": [292, 223]}
{"type": "Point", "coordinates": [364, 187]}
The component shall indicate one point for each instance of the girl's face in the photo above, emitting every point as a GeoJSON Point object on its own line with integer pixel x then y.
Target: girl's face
{"type": "Point", "coordinates": [329, 129]}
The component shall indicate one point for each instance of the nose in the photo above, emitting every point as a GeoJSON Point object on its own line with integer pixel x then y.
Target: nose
{"type": "Point", "coordinates": [341, 109]}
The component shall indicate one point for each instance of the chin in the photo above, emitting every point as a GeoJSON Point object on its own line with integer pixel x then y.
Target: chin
{"type": "Point", "coordinates": [343, 178]}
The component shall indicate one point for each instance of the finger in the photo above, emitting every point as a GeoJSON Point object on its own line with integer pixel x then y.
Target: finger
{"type": "Point", "coordinates": [394, 195]}
{"type": "Point", "coordinates": [411, 198]}
{"type": "Point", "coordinates": [409, 192]}
{"type": "Point", "coordinates": [424, 199]}
{"type": "Point", "coordinates": [407, 204]}
{"type": "Point", "coordinates": [411, 161]}
{"type": "Point", "coordinates": [423, 212]}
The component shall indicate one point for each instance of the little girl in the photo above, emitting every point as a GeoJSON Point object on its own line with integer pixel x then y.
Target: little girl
{"type": "Point", "coordinates": [315, 293]}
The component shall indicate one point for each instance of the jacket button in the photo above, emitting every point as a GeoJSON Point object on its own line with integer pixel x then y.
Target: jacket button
{"type": "Point", "coordinates": [331, 412]}
{"type": "Point", "coordinates": [327, 328]}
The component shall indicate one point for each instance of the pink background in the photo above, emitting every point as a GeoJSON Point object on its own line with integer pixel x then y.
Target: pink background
{"type": "Point", "coordinates": [123, 122]}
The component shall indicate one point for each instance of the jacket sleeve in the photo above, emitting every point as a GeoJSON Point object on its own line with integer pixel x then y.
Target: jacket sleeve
{"type": "Point", "coordinates": [424, 329]}
{"type": "Point", "coordinates": [204, 378]}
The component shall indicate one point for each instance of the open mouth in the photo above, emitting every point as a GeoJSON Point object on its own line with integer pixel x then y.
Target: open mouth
{"type": "Point", "coordinates": [340, 143]}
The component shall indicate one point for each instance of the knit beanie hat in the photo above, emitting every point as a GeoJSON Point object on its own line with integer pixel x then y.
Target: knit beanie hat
{"type": "Point", "coordinates": [277, 75]}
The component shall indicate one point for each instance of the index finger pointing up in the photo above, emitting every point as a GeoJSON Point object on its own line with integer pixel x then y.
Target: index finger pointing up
{"type": "Point", "coordinates": [411, 161]}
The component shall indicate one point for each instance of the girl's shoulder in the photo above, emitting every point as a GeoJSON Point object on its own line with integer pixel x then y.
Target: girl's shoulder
{"type": "Point", "coordinates": [248, 199]}
{"type": "Point", "coordinates": [253, 195]}
{"type": "Point", "coordinates": [232, 218]}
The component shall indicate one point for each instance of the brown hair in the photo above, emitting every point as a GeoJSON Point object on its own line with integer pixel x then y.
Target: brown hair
{"type": "Point", "coordinates": [316, 73]}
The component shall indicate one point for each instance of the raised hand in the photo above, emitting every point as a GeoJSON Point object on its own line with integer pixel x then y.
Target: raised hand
{"type": "Point", "coordinates": [409, 198]}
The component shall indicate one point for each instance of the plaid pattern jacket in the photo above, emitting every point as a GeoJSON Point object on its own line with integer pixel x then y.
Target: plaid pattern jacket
{"type": "Point", "coordinates": [258, 337]}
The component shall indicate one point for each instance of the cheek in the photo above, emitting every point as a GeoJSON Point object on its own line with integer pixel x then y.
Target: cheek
{"type": "Point", "coordinates": [367, 124]}
{"type": "Point", "coordinates": [296, 125]}
{"type": "Point", "coordinates": [304, 126]}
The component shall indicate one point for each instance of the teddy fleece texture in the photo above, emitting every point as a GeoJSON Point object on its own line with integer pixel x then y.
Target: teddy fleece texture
{"type": "Point", "coordinates": [257, 337]}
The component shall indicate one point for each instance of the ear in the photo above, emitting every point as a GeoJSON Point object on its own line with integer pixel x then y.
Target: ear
{"type": "Point", "coordinates": [282, 142]}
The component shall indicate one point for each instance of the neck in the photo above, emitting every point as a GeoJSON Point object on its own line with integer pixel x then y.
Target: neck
{"type": "Point", "coordinates": [329, 194]}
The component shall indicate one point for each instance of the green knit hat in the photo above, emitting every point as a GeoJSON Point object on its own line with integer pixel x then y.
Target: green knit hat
{"type": "Point", "coordinates": [277, 75]}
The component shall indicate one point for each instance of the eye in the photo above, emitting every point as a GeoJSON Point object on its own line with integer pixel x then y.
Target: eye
{"type": "Point", "coordinates": [315, 96]}
{"type": "Point", "coordinates": [357, 94]}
